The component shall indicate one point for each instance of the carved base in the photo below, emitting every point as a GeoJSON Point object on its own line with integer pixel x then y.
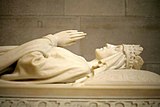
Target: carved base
{"type": "Point", "coordinates": [67, 102]}
{"type": "Point", "coordinates": [51, 95]}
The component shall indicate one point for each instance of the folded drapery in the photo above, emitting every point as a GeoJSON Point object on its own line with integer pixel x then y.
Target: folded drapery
{"type": "Point", "coordinates": [60, 65]}
{"type": "Point", "coordinates": [7, 58]}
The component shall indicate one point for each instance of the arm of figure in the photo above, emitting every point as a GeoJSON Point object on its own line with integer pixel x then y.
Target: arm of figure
{"type": "Point", "coordinates": [4, 49]}
{"type": "Point", "coordinates": [66, 38]}
{"type": "Point", "coordinates": [42, 45]}
{"type": "Point", "coordinates": [7, 58]}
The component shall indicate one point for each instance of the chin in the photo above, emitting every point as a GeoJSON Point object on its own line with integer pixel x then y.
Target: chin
{"type": "Point", "coordinates": [97, 54]}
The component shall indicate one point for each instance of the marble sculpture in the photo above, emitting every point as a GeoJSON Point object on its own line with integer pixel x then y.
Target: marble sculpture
{"type": "Point", "coordinates": [45, 60]}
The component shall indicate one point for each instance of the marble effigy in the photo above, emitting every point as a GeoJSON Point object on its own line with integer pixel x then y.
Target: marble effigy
{"type": "Point", "coordinates": [42, 73]}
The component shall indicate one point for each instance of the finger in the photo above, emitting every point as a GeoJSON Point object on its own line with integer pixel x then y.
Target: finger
{"type": "Point", "coordinates": [78, 38]}
{"type": "Point", "coordinates": [78, 35]}
{"type": "Point", "coordinates": [72, 33]}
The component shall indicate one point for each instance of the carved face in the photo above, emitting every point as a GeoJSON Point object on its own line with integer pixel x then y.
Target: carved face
{"type": "Point", "coordinates": [107, 51]}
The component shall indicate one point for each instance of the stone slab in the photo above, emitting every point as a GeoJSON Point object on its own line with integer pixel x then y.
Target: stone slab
{"type": "Point", "coordinates": [95, 7]}
{"type": "Point", "coordinates": [148, 8]}
{"type": "Point", "coordinates": [69, 90]}
{"type": "Point", "coordinates": [31, 7]}
{"type": "Point", "coordinates": [56, 95]}
{"type": "Point", "coordinates": [79, 95]}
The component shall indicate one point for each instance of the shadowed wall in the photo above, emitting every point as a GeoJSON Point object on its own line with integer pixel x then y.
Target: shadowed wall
{"type": "Point", "coordinates": [112, 21]}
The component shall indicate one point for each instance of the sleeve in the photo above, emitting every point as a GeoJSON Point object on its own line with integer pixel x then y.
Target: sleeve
{"type": "Point", "coordinates": [4, 49]}
{"type": "Point", "coordinates": [30, 66]}
{"type": "Point", "coordinates": [42, 45]}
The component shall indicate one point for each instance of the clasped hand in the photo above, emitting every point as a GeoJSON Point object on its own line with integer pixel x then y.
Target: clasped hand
{"type": "Point", "coordinates": [68, 37]}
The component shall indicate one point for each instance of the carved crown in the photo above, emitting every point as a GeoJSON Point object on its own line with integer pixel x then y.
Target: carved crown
{"type": "Point", "coordinates": [133, 60]}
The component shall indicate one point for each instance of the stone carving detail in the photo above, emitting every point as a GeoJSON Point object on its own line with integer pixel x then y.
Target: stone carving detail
{"type": "Point", "coordinates": [46, 102]}
{"type": "Point", "coordinates": [45, 60]}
